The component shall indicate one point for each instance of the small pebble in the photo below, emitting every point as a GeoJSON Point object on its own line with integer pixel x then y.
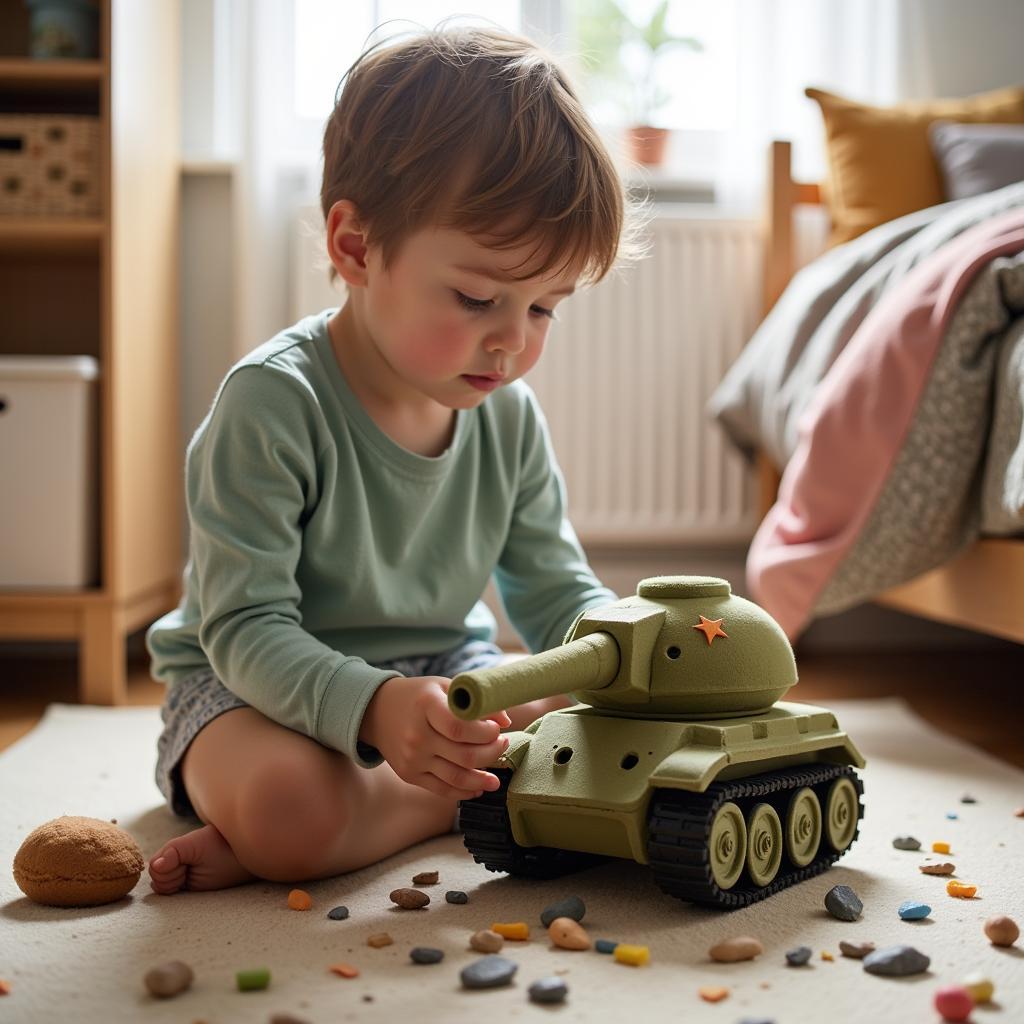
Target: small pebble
{"type": "Point", "coordinates": [1002, 930]}
{"type": "Point", "coordinates": [963, 890]}
{"type": "Point", "coordinates": [299, 899]}
{"type": "Point", "coordinates": [426, 955]}
{"type": "Point", "coordinates": [856, 950]}
{"type": "Point", "coordinates": [952, 815]}
{"type": "Point", "coordinates": [799, 956]}
{"type": "Point", "coordinates": [954, 1003]}
{"type": "Point", "coordinates": [168, 979]}
{"type": "Point", "coordinates": [571, 906]}
{"type": "Point", "coordinates": [940, 847]}
{"type": "Point", "coordinates": [515, 931]}
{"type": "Point", "coordinates": [943, 868]}
{"type": "Point", "coordinates": [338, 913]}
{"type": "Point", "coordinates": [1019, 813]}
{"type": "Point", "coordinates": [486, 941]}
{"type": "Point", "coordinates": [425, 878]}
{"type": "Point", "coordinates": [827, 956]}
{"type": "Point", "coordinates": [409, 899]}
{"type": "Point", "coordinates": [344, 970]}
{"type": "Point", "coordinates": [968, 799]}
{"type": "Point", "coordinates": [731, 951]}
{"type": "Point", "coordinates": [843, 903]}
{"type": "Point", "coordinates": [712, 993]}
{"type": "Point", "coordinates": [757, 1020]}
{"type": "Point", "coordinates": [252, 980]}
{"type": "Point", "coordinates": [568, 934]}
{"type": "Point", "coordinates": [896, 962]}
{"type": "Point", "coordinates": [456, 896]}
{"type": "Point", "coordinates": [906, 843]}
{"type": "Point", "coordinates": [980, 987]}
{"type": "Point", "coordinates": [914, 910]}
{"type": "Point", "coordinates": [605, 946]}
{"type": "Point", "coordinates": [635, 956]}
{"type": "Point", "coordinates": [380, 940]}
{"type": "Point", "coordinates": [488, 972]}
{"type": "Point", "coordinates": [548, 990]}
{"type": "Point", "coordinates": [286, 1018]}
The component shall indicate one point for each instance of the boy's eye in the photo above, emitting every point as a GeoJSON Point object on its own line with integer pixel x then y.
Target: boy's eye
{"type": "Point", "coordinates": [476, 305]}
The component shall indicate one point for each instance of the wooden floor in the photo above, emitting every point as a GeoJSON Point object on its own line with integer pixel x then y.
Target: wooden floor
{"type": "Point", "coordinates": [974, 695]}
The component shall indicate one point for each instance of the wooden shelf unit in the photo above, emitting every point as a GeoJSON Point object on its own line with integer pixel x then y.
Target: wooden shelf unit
{"type": "Point", "coordinates": [107, 287]}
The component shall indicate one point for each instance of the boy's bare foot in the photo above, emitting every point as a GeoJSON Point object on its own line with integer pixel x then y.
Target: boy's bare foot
{"type": "Point", "coordinates": [197, 860]}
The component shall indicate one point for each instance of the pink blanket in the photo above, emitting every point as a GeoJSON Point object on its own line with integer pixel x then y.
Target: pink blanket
{"type": "Point", "coordinates": [853, 429]}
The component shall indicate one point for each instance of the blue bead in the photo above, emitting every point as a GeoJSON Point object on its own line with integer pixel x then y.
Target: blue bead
{"type": "Point", "coordinates": [912, 910]}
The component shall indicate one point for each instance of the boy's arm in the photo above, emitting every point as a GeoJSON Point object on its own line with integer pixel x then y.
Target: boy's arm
{"type": "Point", "coordinates": [542, 575]}
{"type": "Point", "coordinates": [252, 480]}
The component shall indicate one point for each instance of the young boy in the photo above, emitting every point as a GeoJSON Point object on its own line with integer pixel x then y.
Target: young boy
{"type": "Point", "coordinates": [360, 477]}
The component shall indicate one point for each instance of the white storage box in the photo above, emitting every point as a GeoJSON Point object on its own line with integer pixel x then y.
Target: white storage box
{"type": "Point", "coordinates": [48, 471]}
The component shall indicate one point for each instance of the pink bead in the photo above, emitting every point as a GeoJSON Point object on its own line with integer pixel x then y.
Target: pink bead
{"type": "Point", "coordinates": [954, 1003]}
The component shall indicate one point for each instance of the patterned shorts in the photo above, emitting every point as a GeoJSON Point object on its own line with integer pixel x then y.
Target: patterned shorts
{"type": "Point", "coordinates": [198, 699]}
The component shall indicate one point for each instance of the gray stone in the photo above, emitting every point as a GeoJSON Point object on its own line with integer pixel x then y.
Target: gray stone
{"type": "Point", "coordinates": [605, 945]}
{"type": "Point", "coordinates": [571, 906]}
{"type": "Point", "coordinates": [338, 913]}
{"type": "Point", "coordinates": [799, 956]}
{"type": "Point", "coordinates": [548, 990]}
{"type": "Point", "coordinates": [843, 903]}
{"type": "Point", "coordinates": [906, 843]}
{"type": "Point", "coordinates": [968, 799]}
{"type": "Point", "coordinates": [426, 955]}
{"type": "Point", "coordinates": [757, 1020]}
{"type": "Point", "coordinates": [456, 896]}
{"type": "Point", "coordinates": [488, 972]}
{"type": "Point", "coordinates": [896, 961]}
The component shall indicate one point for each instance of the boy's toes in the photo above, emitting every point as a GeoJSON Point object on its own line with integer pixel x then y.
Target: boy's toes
{"type": "Point", "coordinates": [166, 872]}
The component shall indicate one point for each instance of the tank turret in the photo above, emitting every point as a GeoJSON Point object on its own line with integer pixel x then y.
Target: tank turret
{"type": "Point", "coordinates": [678, 754]}
{"type": "Point", "coordinates": [683, 647]}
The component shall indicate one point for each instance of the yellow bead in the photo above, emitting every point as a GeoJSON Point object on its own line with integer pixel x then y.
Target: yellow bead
{"type": "Point", "coordinates": [517, 931]}
{"type": "Point", "coordinates": [635, 955]}
{"type": "Point", "coordinates": [940, 847]}
{"type": "Point", "coordinates": [980, 987]}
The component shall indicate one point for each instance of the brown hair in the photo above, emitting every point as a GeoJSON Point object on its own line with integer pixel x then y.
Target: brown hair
{"type": "Point", "coordinates": [477, 130]}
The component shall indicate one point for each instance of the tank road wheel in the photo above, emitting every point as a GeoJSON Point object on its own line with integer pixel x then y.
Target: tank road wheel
{"type": "Point", "coordinates": [487, 834]}
{"type": "Point", "coordinates": [803, 827]}
{"type": "Point", "coordinates": [764, 844]}
{"type": "Point", "coordinates": [727, 845]}
{"type": "Point", "coordinates": [842, 812]}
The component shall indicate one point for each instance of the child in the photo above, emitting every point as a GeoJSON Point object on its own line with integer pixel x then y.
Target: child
{"type": "Point", "coordinates": [360, 477]}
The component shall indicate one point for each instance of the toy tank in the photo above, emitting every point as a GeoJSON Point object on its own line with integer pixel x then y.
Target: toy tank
{"type": "Point", "coordinates": [679, 753]}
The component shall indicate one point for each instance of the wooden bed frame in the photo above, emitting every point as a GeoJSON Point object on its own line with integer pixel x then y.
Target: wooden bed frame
{"type": "Point", "coordinates": [981, 589]}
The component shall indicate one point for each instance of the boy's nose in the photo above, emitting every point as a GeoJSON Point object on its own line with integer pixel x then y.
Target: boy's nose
{"type": "Point", "coordinates": [509, 338]}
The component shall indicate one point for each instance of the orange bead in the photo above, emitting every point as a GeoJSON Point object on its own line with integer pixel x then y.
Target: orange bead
{"type": "Point", "coordinates": [345, 970]}
{"type": "Point", "coordinates": [517, 931]}
{"type": "Point", "coordinates": [940, 847]}
{"type": "Point", "coordinates": [299, 899]}
{"type": "Point", "coordinates": [962, 889]}
{"type": "Point", "coordinates": [712, 993]}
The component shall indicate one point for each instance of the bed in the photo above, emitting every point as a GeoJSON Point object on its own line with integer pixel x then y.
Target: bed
{"type": "Point", "coordinates": [881, 399]}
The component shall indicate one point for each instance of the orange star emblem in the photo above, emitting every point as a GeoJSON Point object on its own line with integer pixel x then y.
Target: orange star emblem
{"type": "Point", "coordinates": [711, 628]}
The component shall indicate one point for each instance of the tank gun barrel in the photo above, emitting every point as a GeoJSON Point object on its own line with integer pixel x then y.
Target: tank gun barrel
{"type": "Point", "coordinates": [589, 663]}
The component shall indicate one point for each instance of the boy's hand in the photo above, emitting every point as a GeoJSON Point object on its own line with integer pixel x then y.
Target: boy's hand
{"type": "Point", "coordinates": [408, 721]}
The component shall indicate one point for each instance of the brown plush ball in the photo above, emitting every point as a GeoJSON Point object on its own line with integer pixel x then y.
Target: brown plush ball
{"type": "Point", "coordinates": [77, 862]}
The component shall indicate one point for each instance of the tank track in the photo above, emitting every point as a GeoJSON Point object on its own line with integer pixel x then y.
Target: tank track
{"type": "Point", "coordinates": [487, 834]}
{"type": "Point", "coordinates": [679, 828]}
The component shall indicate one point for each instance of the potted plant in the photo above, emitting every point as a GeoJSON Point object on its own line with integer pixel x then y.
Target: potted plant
{"type": "Point", "coordinates": [624, 55]}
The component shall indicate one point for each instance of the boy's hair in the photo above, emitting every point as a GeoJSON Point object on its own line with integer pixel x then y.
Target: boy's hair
{"type": "Point", "coordinates": [476, 130]}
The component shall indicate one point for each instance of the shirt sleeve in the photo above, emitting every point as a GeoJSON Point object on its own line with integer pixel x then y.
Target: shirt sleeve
{"type": "Point", "coordinates": [252, 480]}
{"type": "Point", "coordinates": [542, 575]}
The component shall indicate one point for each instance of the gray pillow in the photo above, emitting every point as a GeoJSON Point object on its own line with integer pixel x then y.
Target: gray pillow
{"type": "Point", "coordinates": [976, 158]}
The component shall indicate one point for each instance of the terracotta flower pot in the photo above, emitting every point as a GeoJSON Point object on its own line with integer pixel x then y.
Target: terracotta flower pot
{"type": "Point", "coordinates": [647, 144]}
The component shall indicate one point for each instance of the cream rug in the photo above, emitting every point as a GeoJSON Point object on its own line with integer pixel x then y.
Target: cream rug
{"type": "Point", "coordinates": [87, 965]}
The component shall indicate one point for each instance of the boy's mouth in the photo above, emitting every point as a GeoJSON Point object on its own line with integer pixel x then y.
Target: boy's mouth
{"type": "Point", "coordinates": [483, 383]}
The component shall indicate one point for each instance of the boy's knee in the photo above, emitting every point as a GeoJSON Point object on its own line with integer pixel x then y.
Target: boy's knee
{"type": "Point", "coordinates": [291, 815]}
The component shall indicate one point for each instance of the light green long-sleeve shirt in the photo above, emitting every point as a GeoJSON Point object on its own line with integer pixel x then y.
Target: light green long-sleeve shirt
{"type": "Point", "coordinates": [318, 544]}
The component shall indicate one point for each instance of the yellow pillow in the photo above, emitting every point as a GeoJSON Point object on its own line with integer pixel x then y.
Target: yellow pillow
{"type": "Point", "coordinates": [880, 161]}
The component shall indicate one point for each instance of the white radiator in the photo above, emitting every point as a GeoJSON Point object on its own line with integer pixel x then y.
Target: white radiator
{"type": "Point", "coordinates": [625, 377]}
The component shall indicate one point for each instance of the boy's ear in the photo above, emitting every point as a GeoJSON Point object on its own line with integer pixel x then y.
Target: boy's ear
{"type": "Point", "coordinates": [346, 242]}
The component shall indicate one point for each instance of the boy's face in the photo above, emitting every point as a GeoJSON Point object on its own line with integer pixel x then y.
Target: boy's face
{"type": "Point", "coordinates": [450, 322]}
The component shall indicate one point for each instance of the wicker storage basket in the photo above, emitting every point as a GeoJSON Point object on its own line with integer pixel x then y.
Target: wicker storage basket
{"type": "Point", "coordinates": [49, 165]}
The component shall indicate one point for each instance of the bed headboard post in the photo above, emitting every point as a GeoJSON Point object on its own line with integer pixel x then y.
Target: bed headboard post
{"type": "Point", "coordinates": [780, 198]}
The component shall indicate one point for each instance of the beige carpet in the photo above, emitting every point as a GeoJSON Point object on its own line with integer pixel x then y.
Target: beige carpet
{"type": "Point", "coordinates": [87, 965]}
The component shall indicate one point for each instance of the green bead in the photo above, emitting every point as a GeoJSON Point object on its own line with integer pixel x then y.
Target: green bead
{"type": "Point", "coordinates": [250, 981]}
